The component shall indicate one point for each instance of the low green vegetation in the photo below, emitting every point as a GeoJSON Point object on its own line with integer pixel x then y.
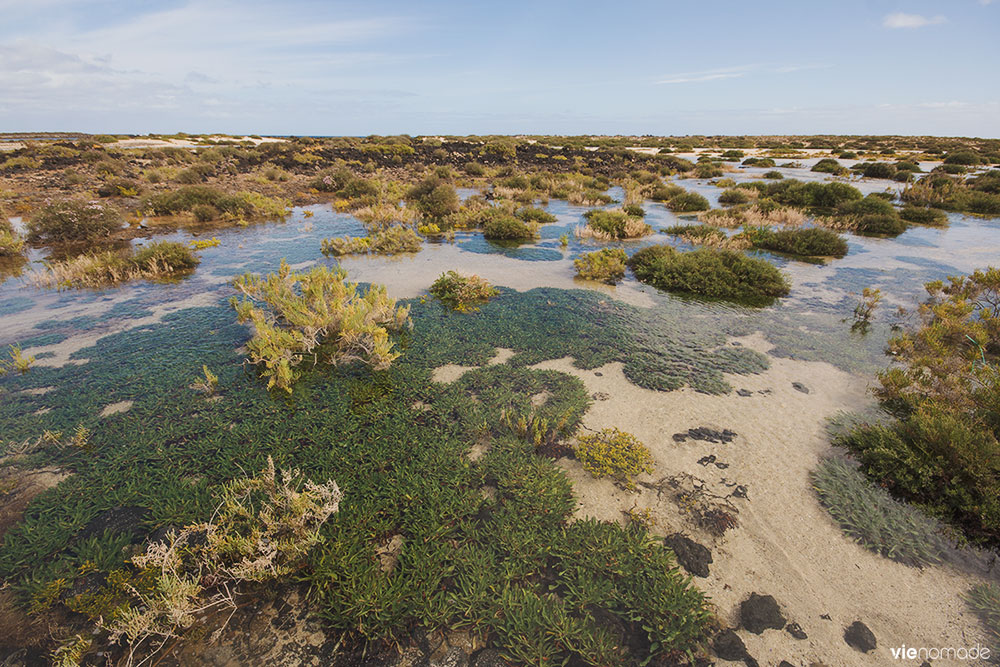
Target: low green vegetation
{"type": "Point", "coordinates": [11, 243]}
{"type": "Point", "coordinates": [736, 196]}
{"type": "Point", "coordinates": [390, 241]}
{"type": "Point", "coordinates": [759, 162]}
{"type": "Point", "coordinates": [688, 202]}
{"type": "Point", "coordinates": [606, 265]}
{"type": "Point", "coordinates": [157, 260]}
{"type": "Point", "coordinates": [873, 216]}
{"type": "Point", "coordinates": [613, 225]}
{"type": "Point", "coordinates": [922, 215]}
{"type": "Point", "coordinates": [398, 445]}
{"type": "Point", "coordinates": [462, 293]}
{"type": "Point", "coordinates": [615, 454]}
{"type": "Point", "coordinates": [709, 272]}
{"type": "Point", "coordinates": [942, 450]}
{"type": "Point", "coordinates": [73, 221]}
{"type": "Point", "coordinates": [805, 242]}
{"type": "Point", "coordinates": [872, 518]}
{"type": "Point", "coordinates": [984, 600]}
{"type": "Point", "coordinates": [18, 361]}
{"type": "Point", "coordinates": [434, 198]}
{"type": "Point", "coordinates": [506, 227]}
{"type": "Point", "coordinates": [979, 195]}
{"type": "Point", "coordinates": [828, 165]}
{"type": "Point", "coordinates": [208, 203]}
{"type": "Point", "coordinates": [318, 316]}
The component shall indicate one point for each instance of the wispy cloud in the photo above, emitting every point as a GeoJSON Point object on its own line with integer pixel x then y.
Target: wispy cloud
{"type": "Point", "coordinates": [708, 75]}
{"type": "Point", "coordinates": [902, 20]}
{"type": "Point", "coordinates": [736, 72]}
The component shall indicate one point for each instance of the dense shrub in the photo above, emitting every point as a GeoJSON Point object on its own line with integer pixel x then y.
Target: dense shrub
{"type": "Point", "coordinates": [392, 240]}
{"type": "Point", "coordinates": [73, 221]}
{"type": "Point", "coordinates": [156, 260]}
{"type": "Point", "coordinates": [665, 192]}
{"type": "Point", "coordinates": [876, 169]}
{"type": "Point", "coordinates": [532, 214]}
{"type": "Point", "coordinates": [922, 215]}
{"type": "Point", "coordinates": [169, 256]}
{"type": "Point", "coordinates": [239, 205]}
{"type": "Point", "coordinates": [773, 175]}
{"type": "Point", "coordinates": [735, 196]}
{"type": "Point", "coordinates": [462, 293]}
{"type": "Point", "coordinates": [508, 227]}
{"type": "Point", "coordinates": [758, 162]}
{"type": "Point", "coordinates": [606, 265]}
{"type": "Point", "coordinates": [709, 272]}
{"type": "Point", "coordinates": [707, 170]}
{"type": "Point", "coordinates": [435, 198]}
{"type": "Point", "coordinates": [808, 242]}
{"type": "Point", "coordinates": [828, 165]}
{"type": "Point", "coordinates": [474, 169]}
{"type": "Point", "coordinates": [343, 182]}
{"type": "Point", "coordinates": [791, 192]}
{"type": "Point", "coordinates": [968, 158]}
{"type": "Point", "coordinates": [687, 202]}
{"type": "Point", "coordinates": [943, 451]}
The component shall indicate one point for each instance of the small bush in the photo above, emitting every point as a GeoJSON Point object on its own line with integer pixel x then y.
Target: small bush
{"type": "Point", "coordinates": [665, 192]}
{"type": "Point", "coordinates": [315, 315]}
{"type": "Point", "coordinates": [634, 210]}
{"type": "Point", "coordinates": [808, 242]}
{"type": "Point", "coordinates": [474, 169]}
{"type": "Point", "coordinates": [165, 257]}
{"type": "Point", "coordinates": [73, 221]}
{"type": "Point", "coordinates": [390, 241]}
{"type": "Point", "coordinates": [774, 175]}
{"type": "Point", "coordinates": [606, 265]}
{"type": "Point", "coordinates": [688, 202]}
{"type": "Point", "coordinates": [877, 170]}
{"type": "Point", "coordinates": [763, 162]}
{"type": "Point", "coordinates": [435, 198]}
{"type": "Point", "coordinates": [967, 158]}
{"type": "Point", "coordinates": [204, 212]}
{"type": "Point", "coordinates": [873, 519]}
{"type": "Point", "coordinates": [736, 196]}
{"type": "Point", "coordinates": [878, 224]}
{"type": "Point", "coordinates": [510, 228]}
{"type": "Point", "coordinates": [613, 225]}
{"type": "Point", "coordinates": [709, 272]}
{"type": "Point", "coordinates": [532, 214]}
{"type": "Point", "coordinates": [829, 166]}
{"type": "Point", "coordinates": [924, 216]}
{"type": "Point", "coordinates": [707, 170]}
{"type": "Point", "coordinates": [462, 293]}
{"type": "Point", "coordinates": [616, 454]}
{"type": "Point", "coordinates": [235, 206]}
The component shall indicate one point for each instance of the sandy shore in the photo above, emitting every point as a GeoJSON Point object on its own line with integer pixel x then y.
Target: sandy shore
{"type": "Point", "coordinates": [786, 544]}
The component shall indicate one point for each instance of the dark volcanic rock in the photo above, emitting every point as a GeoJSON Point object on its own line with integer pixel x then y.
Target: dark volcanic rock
{"type": "Point", "coordinates": [117, 520]}
{"type": "Point", "coordinates": [692, 556]}
{"type": "Point", "coordinates": [795, 630]}
{"type": "Point", "coordinates": [858, 636]}
{"type": "Point", "coordinates": [705, 434]}
{"type": "Point", "coordinates": [728, 646]}
{"type": "Point", "coordinates": [798, 386]}
{"type": "Point", "coordinates": [488, 657]}
{"type": "Point", "coordinates": [744, 392]}
{"type": "Point", "coordinates": [760, 612]}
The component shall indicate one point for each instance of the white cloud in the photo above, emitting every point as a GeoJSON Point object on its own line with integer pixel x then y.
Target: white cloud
{"type": "Point", "coordinates": [901, 20]}
{"type": "Point", "coordinates": [708, 75]}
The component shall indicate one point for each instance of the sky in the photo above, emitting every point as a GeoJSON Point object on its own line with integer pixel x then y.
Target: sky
{"type": "Point", "coordinates": [360, 67]}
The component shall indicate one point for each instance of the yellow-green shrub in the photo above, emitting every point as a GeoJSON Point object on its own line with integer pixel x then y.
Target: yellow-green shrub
{"type": "Point", "coordinates": [614, 453]}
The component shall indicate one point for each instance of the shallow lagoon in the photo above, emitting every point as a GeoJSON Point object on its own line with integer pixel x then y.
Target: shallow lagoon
{"type": "Point", "coordinates": [140, 345]}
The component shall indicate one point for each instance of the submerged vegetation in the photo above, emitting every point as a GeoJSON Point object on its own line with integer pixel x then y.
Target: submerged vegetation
{"type": "Point", "coordinates": [871, 517]}
{"type": "Point", "coordinates": [317, 314]}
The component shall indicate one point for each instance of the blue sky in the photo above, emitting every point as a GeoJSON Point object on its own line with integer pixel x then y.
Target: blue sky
{"type": "Point", "coordinates": [541, 67]}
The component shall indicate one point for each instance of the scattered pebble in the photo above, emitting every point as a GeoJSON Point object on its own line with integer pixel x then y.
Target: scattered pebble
{"type": "Point", "coordinates": [796, 631]}
{"type": "Point", "coordinates": [705, 434]}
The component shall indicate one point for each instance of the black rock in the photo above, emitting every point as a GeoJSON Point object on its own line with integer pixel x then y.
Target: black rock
{"type": "Point", "coordinates": [785, 663]}
{"type": "Point", "coordinates": [858, 636]}
{"type": "Point", "coordinates": [795, 630]}
{"type": "Point", "coordinates": [728, 646]}
{"type": "Point", "coordinates": [760, 612]}
{"type": "Point", "coordinates": [744, 392]}
{"type": "Point", "coordinates": [692, 556]}
{"type": "Point", "coordinates": [117, 520]}
{"type": "Point", "coordinates": [680, 437]}
{"type": "Point", "coordinates": [798, 386]}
